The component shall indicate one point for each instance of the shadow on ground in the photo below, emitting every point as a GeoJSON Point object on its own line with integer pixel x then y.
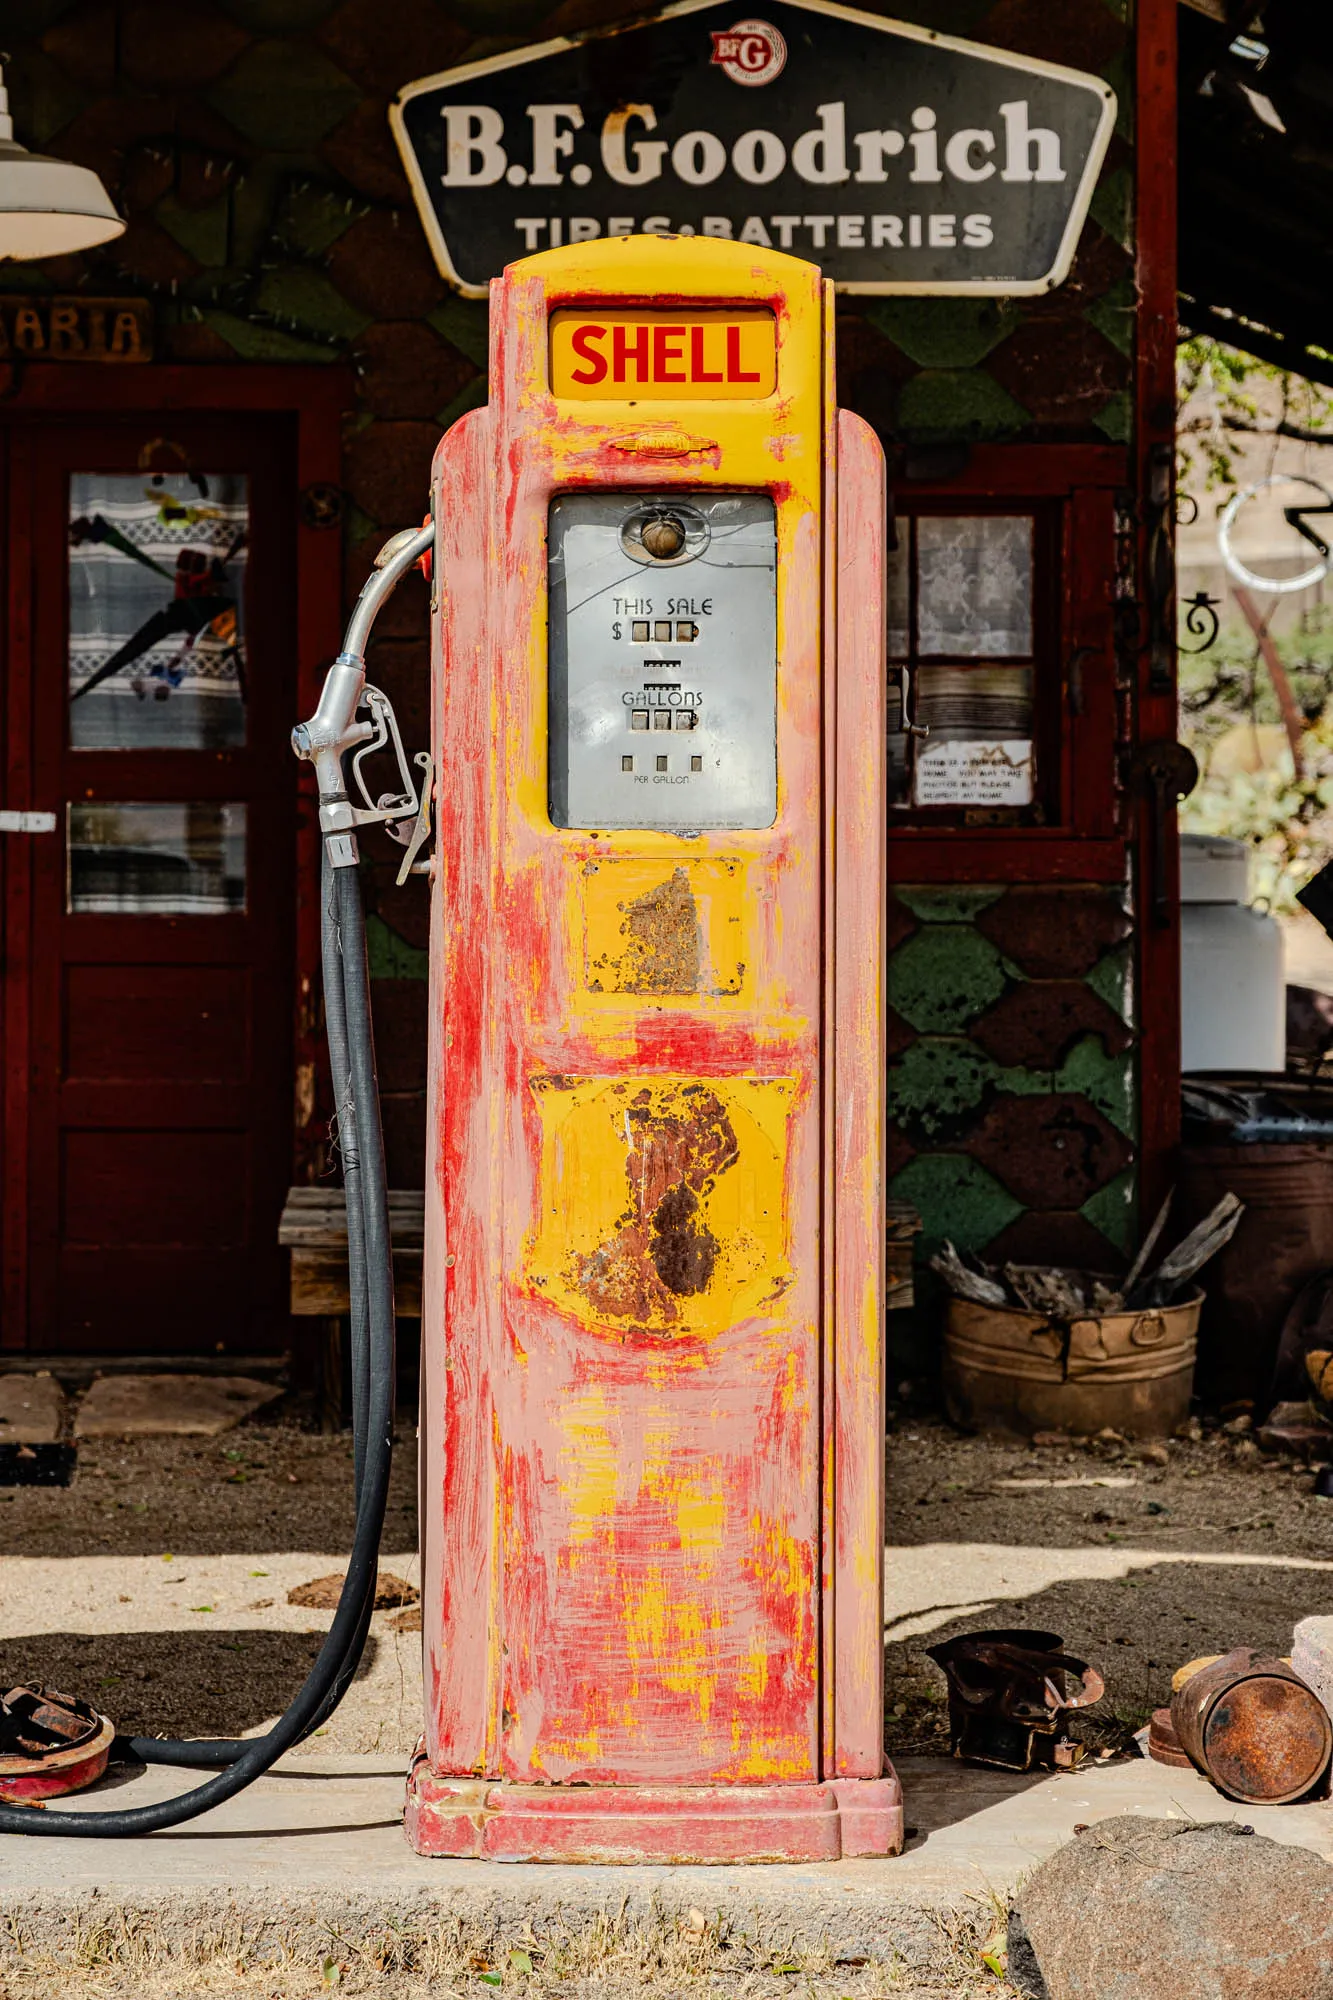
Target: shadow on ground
{"type": "Point", "coordinates": [172, 1683]}
{"type": "Point", "coordinates": [260, 1488]}
{"type": "Point", "coordinates": [1136, 1629]}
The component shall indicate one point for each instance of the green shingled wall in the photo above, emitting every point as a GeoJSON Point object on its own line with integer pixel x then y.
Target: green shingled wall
{"type": "Point", "coordinates": [248, 143]}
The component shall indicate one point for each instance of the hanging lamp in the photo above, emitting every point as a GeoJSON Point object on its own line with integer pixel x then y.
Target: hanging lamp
{"type": "Point", "coordinates": [48, 207]}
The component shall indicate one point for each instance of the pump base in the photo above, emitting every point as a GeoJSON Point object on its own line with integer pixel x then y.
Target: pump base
{"type": "Point", "coordinates": [485, 1820]}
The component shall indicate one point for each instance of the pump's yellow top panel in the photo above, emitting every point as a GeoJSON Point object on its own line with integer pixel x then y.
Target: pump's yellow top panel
{"type": "Point", "coordinates": [645, 354]}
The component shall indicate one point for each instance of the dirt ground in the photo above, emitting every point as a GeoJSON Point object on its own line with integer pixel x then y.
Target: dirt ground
{"type": "Point", "coordinates": [1238, 1528]}
{"type": "Point", "coordinates": [157, 1583]}
{"type": "Point", "coordinates": [1219, 1547]}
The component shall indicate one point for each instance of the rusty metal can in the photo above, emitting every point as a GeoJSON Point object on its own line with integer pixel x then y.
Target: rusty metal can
{"type": "Point", "coordinates": [1251, 1724]}
{"type": "Point", "coordinates": [1163, 1743]}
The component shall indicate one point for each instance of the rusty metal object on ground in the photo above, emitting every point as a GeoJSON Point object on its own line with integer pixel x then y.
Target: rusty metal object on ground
{"type": "Point", "coordinates": [1163, 1743]}
{"type": "Point", "coordinates": [1008, 1698]}
{"type": "Point", "coordinates": [1250, 1723]}
{"type": "Point", "coordinates": [1190, 1668]}
{"type": "Point", "coordinates": [50, 1743]}
{"type": "Point", "coordinates": [1284, 1240]}
{"type": "Point", "coordinates": [1017, 1372]}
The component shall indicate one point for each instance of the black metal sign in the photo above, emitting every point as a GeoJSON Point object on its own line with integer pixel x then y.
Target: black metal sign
{"type": "Point", "coordinates": [897, 159]}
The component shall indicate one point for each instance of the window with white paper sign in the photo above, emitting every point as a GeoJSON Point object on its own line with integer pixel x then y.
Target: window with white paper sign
{"type": "Point", "coordinates": [963, 646]}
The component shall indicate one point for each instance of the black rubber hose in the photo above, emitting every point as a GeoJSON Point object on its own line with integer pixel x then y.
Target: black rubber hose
{"type": "Point", "coordinates": [215, 1753]}
{"type": "Point", "coordinates": [339, 1655]}
{"type": "Point", "coordinates": [335, 971]}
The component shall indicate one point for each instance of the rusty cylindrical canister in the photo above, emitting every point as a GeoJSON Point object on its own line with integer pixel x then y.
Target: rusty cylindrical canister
{"type": "Point", "coordinates": [1253, 1726]}
{"type": "Point", "coordinates": [1163, 1743]}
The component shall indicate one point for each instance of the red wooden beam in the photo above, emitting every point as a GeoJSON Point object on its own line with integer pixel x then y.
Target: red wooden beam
{"type": "Point", "coordinates": [1156, 717]}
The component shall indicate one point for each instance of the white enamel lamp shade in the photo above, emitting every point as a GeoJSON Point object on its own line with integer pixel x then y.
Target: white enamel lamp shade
{"type": "Point", "coordinates": [48, 207]}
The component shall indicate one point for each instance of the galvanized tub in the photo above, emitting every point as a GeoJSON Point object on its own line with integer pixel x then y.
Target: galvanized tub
{"type": "Point", "coordinates": [1250, 1723]}
{"type": "Point", "coordinates": [1013, 1371]}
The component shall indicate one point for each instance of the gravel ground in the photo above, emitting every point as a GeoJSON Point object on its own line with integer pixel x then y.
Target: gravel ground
{"type": "Point", "coordinates": [156, 1584]}
{"type": "Point", "coordinates": [1140, 1565]}
{"type": "Point", "coordinates": [266, 1485]}
{"type": "Point", "coordinates": [222, 1982]}
{"type": "Point", "coordinates": [1214, 1549]}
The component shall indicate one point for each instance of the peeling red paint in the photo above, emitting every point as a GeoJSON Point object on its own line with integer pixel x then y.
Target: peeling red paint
{"type": "Point", "coordinates": [651, 1526]}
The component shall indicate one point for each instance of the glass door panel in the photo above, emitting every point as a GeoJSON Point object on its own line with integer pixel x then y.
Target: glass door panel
{"type": "Point", "coordinates": [156, 610]}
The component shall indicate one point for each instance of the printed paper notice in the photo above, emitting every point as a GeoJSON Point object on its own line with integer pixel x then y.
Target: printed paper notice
{"type": "Point", "coordinates": [974, 774]}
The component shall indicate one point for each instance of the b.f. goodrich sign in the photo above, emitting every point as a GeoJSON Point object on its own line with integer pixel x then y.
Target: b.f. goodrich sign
{"type": "Point", "coordinates": [897, 159]}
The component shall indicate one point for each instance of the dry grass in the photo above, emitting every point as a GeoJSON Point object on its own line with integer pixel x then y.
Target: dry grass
{"type": "Point", "coordinates": [610, 1956]}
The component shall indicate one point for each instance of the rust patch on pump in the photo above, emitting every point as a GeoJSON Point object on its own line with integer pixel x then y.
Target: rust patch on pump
{"type": "Point", "coordinates": [662, 946]}
{"type": "Point", "coordinates": [663, 1250]}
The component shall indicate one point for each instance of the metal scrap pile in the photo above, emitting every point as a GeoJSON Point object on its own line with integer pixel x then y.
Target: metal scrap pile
{"type": "Point", "coordinates": [1062, 1294]}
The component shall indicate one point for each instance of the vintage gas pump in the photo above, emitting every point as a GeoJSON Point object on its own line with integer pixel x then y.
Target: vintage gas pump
{"type": "Point", "coordinates": [651, 1336]}
{"type": "Point", "coordinates": [652, 1480]}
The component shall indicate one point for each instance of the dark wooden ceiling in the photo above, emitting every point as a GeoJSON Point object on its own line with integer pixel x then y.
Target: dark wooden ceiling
{"type": "Point", "coordinates": [1256, 201]}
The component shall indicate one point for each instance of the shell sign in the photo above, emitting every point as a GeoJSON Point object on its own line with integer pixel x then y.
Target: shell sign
{"type": "Point", "coordinates": [896, 159]}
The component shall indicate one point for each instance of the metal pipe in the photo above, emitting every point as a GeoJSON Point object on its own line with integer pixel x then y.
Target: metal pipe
{"type": "Point", "coordinates": [333, 729]}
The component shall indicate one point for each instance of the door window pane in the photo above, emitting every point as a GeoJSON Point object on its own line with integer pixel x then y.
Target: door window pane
{"type": "Point", "coordinates": [156, 860]}
{"type": "Point", "coordinates": [974, 585]}
{"type": "Point", "coordinates": [156, 610]}
{"type": "Point", "coordinates": [975, 704]}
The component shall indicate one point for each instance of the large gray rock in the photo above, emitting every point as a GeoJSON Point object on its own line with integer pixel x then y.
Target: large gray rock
{"type": "Point", "coordinates": [1164, 1909]}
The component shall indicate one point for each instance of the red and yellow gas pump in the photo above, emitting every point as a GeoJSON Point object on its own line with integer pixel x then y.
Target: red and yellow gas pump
{"type": "Point", "coordinates": [652, 1479]}
{"type": "Point", "coordinates": [652, 1318]}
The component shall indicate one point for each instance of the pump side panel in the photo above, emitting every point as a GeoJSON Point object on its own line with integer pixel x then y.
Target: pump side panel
{"type": "Point", "coordinates": [629, 1472]}
{"type": "Point", "coordinates": [858, 728]}
{"type": "Point", "coordinates": [460, 1322]}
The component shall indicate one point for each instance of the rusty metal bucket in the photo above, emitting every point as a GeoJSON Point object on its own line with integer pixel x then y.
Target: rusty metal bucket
{"type": "Point", "coordinates": [1285, 1238]}
{"type": "Point", "coordinates": [1013, 1371]}
{"type": "Point", "coordinates": [1250, 1723]}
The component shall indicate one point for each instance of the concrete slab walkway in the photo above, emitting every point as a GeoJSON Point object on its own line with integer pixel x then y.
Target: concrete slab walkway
{"type": "Point", "coordinates": [315, 1852]}
{"type": "Point", "coordinates": [312, 1860]}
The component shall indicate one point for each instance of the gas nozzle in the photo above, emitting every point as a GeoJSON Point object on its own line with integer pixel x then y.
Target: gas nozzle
{"type": "Point", "coordinates": [338, 724]}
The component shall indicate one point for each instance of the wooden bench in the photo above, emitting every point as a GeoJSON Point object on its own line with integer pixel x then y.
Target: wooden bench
{"type": "Point", "coordinates": [902, 1225]}
{"type": "Point", "coordinates": [314, 1229]}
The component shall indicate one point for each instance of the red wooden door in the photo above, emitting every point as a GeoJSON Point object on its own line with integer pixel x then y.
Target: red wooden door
{"type": "Point", "coordinates": [148, 975]}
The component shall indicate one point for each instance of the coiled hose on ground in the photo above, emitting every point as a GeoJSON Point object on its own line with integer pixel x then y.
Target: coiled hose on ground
{"type": "Point", "coordinates": [361, 1141]}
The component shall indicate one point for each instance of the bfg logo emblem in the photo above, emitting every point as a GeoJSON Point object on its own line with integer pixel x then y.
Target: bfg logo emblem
{"type": "Point", "coordinates": [751, 52]}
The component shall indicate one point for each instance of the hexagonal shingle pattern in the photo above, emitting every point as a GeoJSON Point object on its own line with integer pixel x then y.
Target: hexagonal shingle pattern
{"type": "Point", "coordinates": [247, 142]}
